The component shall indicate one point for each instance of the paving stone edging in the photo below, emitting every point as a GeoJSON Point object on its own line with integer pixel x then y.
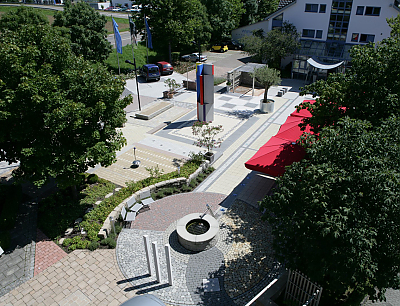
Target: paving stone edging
{"type": "Point", "coordinates": [106, 228]}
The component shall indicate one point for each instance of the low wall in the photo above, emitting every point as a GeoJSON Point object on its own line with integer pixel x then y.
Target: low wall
{"type": "Point", "coordinates": [190, 85]}
{"type": "Point", "coordinates": [106, 228]}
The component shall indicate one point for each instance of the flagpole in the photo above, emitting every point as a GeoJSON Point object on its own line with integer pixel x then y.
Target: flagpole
{"type": "Point", "coordinates": [147, 41]}
{"type": "Point", "coordinates": [116, 49]}
{"type": "Point", "coordinates": [134, 64]}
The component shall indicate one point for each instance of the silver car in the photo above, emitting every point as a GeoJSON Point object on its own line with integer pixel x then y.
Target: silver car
{"type": "Point", "coordinates": [143, 300]}
{"type": "Point", "coordinates": [194, 57]}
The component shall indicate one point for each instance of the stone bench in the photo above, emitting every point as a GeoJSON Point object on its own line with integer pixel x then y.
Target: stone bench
{"type": "Point", "coordinates": [106, 228]}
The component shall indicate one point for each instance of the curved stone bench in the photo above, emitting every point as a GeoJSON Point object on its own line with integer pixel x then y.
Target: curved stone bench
{"type": "Point", "coordinates": [106, 228]}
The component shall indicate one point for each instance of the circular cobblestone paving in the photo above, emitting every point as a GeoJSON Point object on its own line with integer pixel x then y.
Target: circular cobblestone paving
{"type": "Point", "coordinates": [240, 257]}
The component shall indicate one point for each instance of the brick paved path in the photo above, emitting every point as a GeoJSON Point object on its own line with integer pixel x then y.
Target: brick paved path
{"type": "Point", "coordinates": [169, 209]}
{"type": "Point", "coordinates": [47, 253]}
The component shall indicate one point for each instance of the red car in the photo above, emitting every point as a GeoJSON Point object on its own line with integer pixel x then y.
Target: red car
{"type": "Point", "coordinates": [165, 68]}
{"type": "Point", "coordinates": [110, 8]}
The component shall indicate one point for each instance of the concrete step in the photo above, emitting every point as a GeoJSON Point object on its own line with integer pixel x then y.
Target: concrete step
{"type": "Point", "coordinates": [154, 110]}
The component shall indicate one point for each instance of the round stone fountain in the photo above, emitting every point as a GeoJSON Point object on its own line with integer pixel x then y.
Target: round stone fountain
{"type": "Point", "coordinates": [195, 231]}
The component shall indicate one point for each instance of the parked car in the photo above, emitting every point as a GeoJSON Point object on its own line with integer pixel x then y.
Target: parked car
{"type": "Point", "coordinates": [110, 8]}
{"type": "Point", "coordinates": [124, 8]}
{"type": "Point", "coordinates": [116, 9]}
{"type": "Point", "coordinates": [165, 68]}
{"type": "Point", "coordinates": [219, 48]}
{"type": "Point", "coordinates": [143, 300]}
{"type": "Point", "coordinates": [150, 72]}
{"type": "Point", "coordinates": [194, 57]}
{"type": "Point", "coordinates": [233, 45]}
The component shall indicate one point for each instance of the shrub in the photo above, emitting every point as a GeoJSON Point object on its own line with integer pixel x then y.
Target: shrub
{"type": "Point", "coordinates": [168, 191]}
{"type": "Point", "coordinates": [160, 194]}
{"type": "Point", "coordinates": [67, 242]}
{"type": "Point", "coordinates": [186, 188]}
{"type": "Point", "coordinates": [92, 178]}
{"type": "Point", "coordinates": [175, 57]}
{"type": "Point", "coordinates": [193, 183]}
{"type": "Point", "coordinates": [72, 247]}
{"type": "Point", "coordinates": [118, 228]}
{"type": "Point", "coordinates": [110, 242]}
{"type": "Point", "coordinates": [218, 80]}
{"type": "Point", "coordinates": [93, 245]}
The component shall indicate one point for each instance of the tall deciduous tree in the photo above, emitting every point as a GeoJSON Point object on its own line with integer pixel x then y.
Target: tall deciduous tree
{"type": "Point", "coordinates": [22, 16]}
{"type": "Point", "coordinates": [224, 16]}
{"type": "Point", "coordinates": [59, 113]}
{"type": "Point", "coordinates": [257, 10]}
{"type": "Point", "coordinates": [335, 214]}
{"type": "Point", "coordinates": [175, 23]}
{"type": "Point", "coordinates": [86, 30]}
{"type": "Point", "coordinates": [274, 45]}
{"type": "Point", "coordinates": [370, 90]}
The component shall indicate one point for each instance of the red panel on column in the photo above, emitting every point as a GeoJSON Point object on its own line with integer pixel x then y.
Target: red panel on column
{"type": "Point", "coordinates": [201, 90]}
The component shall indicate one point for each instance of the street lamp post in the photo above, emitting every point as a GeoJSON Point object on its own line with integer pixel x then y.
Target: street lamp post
{"type": "Point", "coordinates": [136, 77]}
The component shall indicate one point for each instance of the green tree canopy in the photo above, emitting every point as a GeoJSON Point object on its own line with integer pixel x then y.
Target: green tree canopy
{"type": "Point", "coordinates": [370, 90]}
{"type": "Point", "coordinates": [175, 23]}
{"type": "Point", "coordinates": [58, 112]}
{"type": "Point", "coordinates": [86, 30]}
{"type": "Point", "coordinates": [257, 10]}
{"type": "Point", "coordinates": [335, 214]}
{"type": "Point", "coordinates": [224, 16]}
{"type": "Point", "coordinates": [267, 77]}
{"type": "Point", "coordinates": [22, 16]}
{"type": "Point", "coordinates": [274, 45]}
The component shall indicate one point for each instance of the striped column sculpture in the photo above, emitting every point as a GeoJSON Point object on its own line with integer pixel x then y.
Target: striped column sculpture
{"type": "Point", "coordinates": [205, 92]}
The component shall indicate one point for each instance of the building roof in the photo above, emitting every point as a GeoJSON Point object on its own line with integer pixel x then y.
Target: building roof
{"type": "Point", "coordinates": [283, 3]}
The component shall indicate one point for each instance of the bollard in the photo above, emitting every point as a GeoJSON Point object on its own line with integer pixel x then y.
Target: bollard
{"type": "Point", "coordinates": [147, 249]}
{"type": "Point", "coordinates": [156, 261]}
{"type": "Point", "coordinates": [169, 265]}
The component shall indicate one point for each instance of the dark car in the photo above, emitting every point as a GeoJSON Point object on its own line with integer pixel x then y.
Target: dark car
{"type": "Point", "coordinates": [165, 68]}
{"type": "Point", "coordinates": [233, 45]}
{"type": "Point", "coordinates": [150, 72]}
{"type": "Point", "coordinates": [143, 300]}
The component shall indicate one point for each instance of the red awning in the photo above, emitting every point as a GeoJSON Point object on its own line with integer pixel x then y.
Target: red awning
{"type": "Point", "coordinates": [275, 155]}
{"type": "Point", "coordinates": [303, 112]}
{"type": "Point", "coordinates": [290, 130]}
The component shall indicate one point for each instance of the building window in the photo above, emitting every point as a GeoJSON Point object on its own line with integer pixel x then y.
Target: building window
{"type": "Point", "coordinates": [311, 8]}
{"type": "Point", "coordinates": [308, 33]}
{"type": "Point", "coordinates": [360, 10]}
{"type": "Point", "coordinates": [277, 21]}
{"type": "Point", "coordinates": [372, 11]}
{"type": "Point", "coordinates": [322, 8]}
{"type": "Point", "coordinates": [354, 37]}
{"type": "Point", "coordinates": [366, 38]}
{"type": "Point", "coordinates": [318, 34]}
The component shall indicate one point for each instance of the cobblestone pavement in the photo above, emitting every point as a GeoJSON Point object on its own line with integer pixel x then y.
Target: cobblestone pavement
{"type": "Point", "coordinates": [241, 257]}
{"type": "Point", "coordinates": [17, 264]}
{"type": "Point", "coordinates": [85, 277]}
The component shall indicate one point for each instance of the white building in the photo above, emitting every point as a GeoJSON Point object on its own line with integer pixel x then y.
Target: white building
{"type": "Point", "coordinates": [328, 30]}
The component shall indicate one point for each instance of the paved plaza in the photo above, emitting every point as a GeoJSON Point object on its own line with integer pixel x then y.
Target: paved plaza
{"type": "Point", "coordinates": [238, 263]}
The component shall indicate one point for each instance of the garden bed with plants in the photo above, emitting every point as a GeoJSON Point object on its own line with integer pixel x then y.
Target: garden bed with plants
{"type": "Point", "coordinates": [60, 211]}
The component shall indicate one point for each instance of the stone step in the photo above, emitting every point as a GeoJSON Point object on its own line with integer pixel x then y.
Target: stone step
{"type": "Point", "coordinates": [154, 110]}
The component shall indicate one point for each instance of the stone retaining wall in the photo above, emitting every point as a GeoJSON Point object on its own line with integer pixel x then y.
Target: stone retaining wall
{"type": "Point", "coordinates": [106, 228]}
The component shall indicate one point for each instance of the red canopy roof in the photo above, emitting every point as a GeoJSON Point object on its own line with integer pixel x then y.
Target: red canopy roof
{"type": "Point", "coordinates": [275, 155]}
{"type": "Point", "coordinates": [290, 130]}
{"type": "Point", "coordinates": [303, 112]}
